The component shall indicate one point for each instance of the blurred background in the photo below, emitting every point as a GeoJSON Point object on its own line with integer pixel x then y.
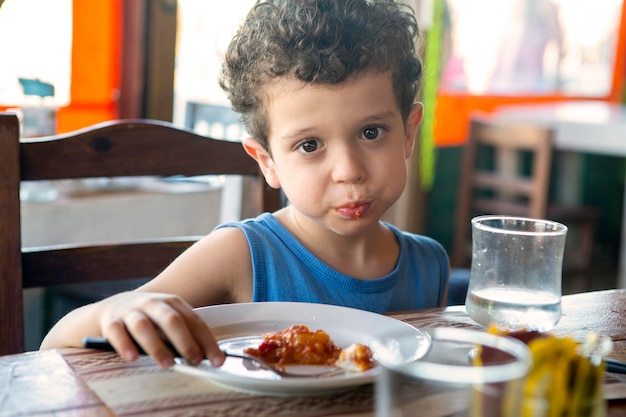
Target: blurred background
{"type": "Point", "coordinates": [87, 61]}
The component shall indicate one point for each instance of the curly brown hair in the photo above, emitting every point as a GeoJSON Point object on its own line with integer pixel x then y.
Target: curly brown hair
{"type": "Point", "coordinates": [319, 41]}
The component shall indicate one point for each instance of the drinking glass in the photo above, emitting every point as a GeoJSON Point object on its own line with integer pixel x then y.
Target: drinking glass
{"type": "Point", "coordinates": [516, 273]}
{"type": "Point", "coordinates": [451, 381]}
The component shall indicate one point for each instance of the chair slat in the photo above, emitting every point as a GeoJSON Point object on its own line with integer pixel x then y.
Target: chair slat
{"type": "Point", "coordinates": [45, 267]}
{"type": "Point", "coordinates": [132, 148]}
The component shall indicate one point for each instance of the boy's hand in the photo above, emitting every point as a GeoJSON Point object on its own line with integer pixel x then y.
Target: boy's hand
{"type": "Point", "coordinates": [151, 320]}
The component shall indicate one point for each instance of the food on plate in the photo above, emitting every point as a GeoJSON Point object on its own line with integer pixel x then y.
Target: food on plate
{"type": "Point", "coordinates": [298, 345]}
{"type": "Point", "coordinates": [355, 358]}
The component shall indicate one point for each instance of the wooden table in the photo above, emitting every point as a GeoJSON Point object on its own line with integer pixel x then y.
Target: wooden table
{"type": "Point", "coordinates": [81, 382]}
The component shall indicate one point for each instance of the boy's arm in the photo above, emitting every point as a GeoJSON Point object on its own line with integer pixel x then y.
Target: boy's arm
{"type": "Point", "coordinates": [216, 269]}
{"type": "Point", "coordinates": [145, 318]}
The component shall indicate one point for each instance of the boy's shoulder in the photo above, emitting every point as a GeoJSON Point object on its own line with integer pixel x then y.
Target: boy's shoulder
{"type": "Point", "coordinates": [418, 240]}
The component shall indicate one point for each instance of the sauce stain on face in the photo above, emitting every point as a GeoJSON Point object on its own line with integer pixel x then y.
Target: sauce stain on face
{"type": "Point", "coordinates": [353, 210]}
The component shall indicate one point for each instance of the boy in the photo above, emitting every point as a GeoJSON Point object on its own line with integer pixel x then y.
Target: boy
{"type": "Point", "coordinates": [326, 89]}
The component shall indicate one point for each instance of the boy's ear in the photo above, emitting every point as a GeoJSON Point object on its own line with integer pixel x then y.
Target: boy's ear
{"type": "Point", "coordinates": [263, 158]}
{"type": "Point", "coordinates": [412, 123]}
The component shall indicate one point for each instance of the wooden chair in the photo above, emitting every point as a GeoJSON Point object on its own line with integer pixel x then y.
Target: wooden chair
{"type": "Point", "coordinates": [506, 170]}
{"type": "Point", "coordinates": [112, 149]}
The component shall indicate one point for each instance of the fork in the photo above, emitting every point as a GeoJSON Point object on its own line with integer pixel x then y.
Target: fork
{"type": "Point", "coordinates": [102, 343]}
{"type": "Point", "coordinates": [281, 372]}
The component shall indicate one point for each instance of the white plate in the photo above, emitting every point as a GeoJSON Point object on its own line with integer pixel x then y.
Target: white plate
{"type": "Point", "coordinates": [237, 326]}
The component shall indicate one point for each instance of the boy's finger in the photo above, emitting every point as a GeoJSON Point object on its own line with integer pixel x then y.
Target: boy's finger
{"type": "Point", "coordinates": [201, 334]}
{"type": "Point", "coordinates": [146, 334]}
{"type": "Point", "coordinates": [121, 341]}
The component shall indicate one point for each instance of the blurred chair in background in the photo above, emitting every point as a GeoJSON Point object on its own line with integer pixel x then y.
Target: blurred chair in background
{"type": "Point", "coordinates": [506, 169]}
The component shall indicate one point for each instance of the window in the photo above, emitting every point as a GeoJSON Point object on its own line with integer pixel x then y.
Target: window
{"type": "Point", "coordinates": [37, 44]}
{"type": "Point", "coordinates": [205, 29]}
{"type": "Point", "coordinates": [575, 52]}
{"type": "Point", "coordinates": [532, 47]}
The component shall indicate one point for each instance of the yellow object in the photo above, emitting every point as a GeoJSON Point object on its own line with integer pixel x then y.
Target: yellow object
{"type": "Point", "coordinates": [432, 70]}
{"type": "Point", "coordinates": [565, 379]}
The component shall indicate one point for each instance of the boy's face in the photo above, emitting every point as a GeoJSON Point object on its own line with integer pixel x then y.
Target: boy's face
{"type": "Point", "coordinates": [338, 151]}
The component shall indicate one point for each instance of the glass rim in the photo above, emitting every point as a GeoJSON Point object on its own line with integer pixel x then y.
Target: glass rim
{"type": "Point", "coordinates": [481, 222]}
{"type": "Point", "coordinates": [471, 374]}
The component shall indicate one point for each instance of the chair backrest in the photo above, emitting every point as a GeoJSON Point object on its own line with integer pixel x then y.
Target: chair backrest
{"type": "Point", "coordinates": [112, 149]}
{"type": "Point", "coordinates": [505, 170]}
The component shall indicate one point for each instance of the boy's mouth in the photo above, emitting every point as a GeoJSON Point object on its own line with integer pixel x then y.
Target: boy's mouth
{"type": "Point", "coordinates": [353, 210]}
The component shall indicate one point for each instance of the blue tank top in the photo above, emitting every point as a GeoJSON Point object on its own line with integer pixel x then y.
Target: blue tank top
{"type": "Point", "coordinates": [284, 270]}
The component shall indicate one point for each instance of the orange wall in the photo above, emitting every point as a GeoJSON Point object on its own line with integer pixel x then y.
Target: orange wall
{"type": "Point", "coordinates": [95, 64]}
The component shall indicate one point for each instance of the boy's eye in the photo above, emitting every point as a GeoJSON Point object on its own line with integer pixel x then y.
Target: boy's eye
{"type": "Point", "coordinates": [309, 146]}
{"type": "Point", "coordinates": [371, 132]}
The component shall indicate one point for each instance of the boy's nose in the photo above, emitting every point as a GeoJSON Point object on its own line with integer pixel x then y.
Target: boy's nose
{"type": "Point", "coordinates": [348, 167]}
